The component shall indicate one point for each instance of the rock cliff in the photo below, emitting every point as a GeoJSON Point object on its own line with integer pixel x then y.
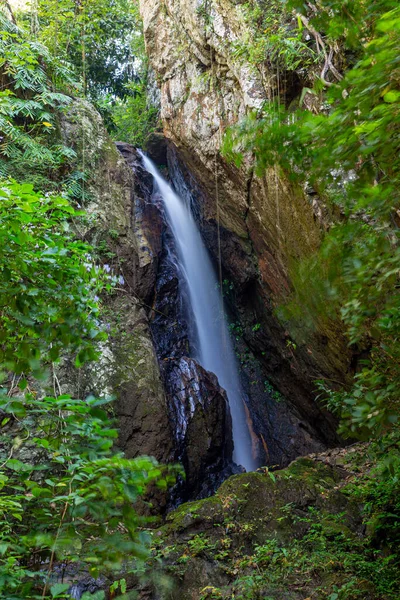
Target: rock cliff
{"type": "Point", "coordinates": [128, 367]}
{"type": "Point", "coordinates": [256, 226]}
{"type": "Point", "coordinates": [264, 224]}
{"type": "Point", "coordinates": [166, 405]}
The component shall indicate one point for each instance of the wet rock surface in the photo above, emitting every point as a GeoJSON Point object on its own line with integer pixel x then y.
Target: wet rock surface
{"type": "Point", "coordinates": [281, 423]}
{"type": "Point", "coordinates": [286, 422]}
{"type": "Point", "coordinates": [156, 148]}
{"type": "Point", "coordinates": [146, 225]}
{"type": "Point", "coordinates": [202, 425]}
{"type": "Point", "coordinates": [199, 432]}
{"type": "Point", "coordinates": [280, 433]}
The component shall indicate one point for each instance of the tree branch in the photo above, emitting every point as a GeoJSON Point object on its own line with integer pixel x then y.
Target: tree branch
{"type": "Point", "coordinates": [10, 10]}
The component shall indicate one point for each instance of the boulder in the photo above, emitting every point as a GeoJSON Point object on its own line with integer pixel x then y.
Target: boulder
{"type": "Point", "coordinates": [202, 425]}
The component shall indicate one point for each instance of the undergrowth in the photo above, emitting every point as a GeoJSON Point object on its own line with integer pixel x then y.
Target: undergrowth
{"type": "Point", "coordinates": [332, 553]}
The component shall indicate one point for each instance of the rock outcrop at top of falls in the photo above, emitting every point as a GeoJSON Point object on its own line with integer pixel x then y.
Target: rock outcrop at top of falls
{"type": "Point", "coordinates": [265, 223]}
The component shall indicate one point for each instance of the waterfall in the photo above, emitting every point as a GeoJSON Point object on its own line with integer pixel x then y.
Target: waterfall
{"type": "Point", "coordinates": [215, 349]}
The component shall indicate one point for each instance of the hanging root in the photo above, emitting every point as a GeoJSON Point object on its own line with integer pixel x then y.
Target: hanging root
{"type": "Point", "coordinates": [328, 65]}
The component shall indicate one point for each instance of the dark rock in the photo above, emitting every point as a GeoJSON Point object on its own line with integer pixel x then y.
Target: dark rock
{"type": "Point", "coordinates": [202, 424]}
{"type": "Point", "coordinates": [146, 226]}
{"type": "Point", "coordinates": [156, 148]}
{"type": "Point", "coordinates": [171, 316]}
{"type": "Point", "coordinates": [289, 423]}
{"type": "Point", "coordinates": [281, 433]}
{"type": "Point", "coordinates": [85, 585]}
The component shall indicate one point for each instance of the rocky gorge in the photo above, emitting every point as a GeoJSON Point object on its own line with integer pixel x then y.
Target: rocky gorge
{"type": "Point", "coordinates": [150, 319]}
{"type": "Point", "coordinates": [262, 225]}
{"type": "Point", "coordinates": [254, 228]}
{"type": "Point", "coordinates": [213, 386]}
{"type": "Point", "coordinates": [168, 406]}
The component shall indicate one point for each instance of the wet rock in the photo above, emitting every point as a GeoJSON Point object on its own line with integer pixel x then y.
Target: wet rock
{"type": "Point", "coordinates": [84, 586]}
{"type": "Point", "coordinates": [281, 434]}
{"type": "Point", "coordinates": [146, 225]}
{"type": "Point", "coordinates": [287, 423]}
{"type": "Point", "coordinates": [202, 425]}
{"type": "Point", "coordinates": [171, 317]}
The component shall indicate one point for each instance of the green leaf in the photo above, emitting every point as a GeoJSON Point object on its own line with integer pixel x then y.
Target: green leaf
{"type": "Point", "coordinates": [392, 96]}
{"type": "Point", "coordinates": [3, 548]}
{"type": "Point", "coordinates": [59, 589]}
{"type": "Point", "coordinates": [17, 465]}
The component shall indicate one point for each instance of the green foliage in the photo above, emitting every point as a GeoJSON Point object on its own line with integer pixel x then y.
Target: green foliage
{"type": "Point", "coordinates": [103, 43]}
{"type": "Point", "coordinates": [97, 37]}
{"type": "Point", "coordinates": [350, 153]}
{"type": "Point", "coordinates": [269, 388]}
{"type": "Point", "coordinates": [276, 38]}
{"type": "Point", "coordinates": [200, 545]}
{"type": "Point", "coordinates": [97, 43]}
{"type": "Point", "coordinates": [30, 101]}
{"type": "Point", "coordinates": [70, 499]}
{"type": "Point", "coordinates": [379, 491]}
{"type": "Point", "coordinates": [134, 119]}
{"type": "Point", "coordinates": [48, 282]}
{"type": "Point", "coordinates": [67, 498]}
{"type": "Point", "coordinates": [350, 21]}
{"type": "Point", "coordinates": [203, 11]}
{"type": "Point", "coordinates": [344, 544]}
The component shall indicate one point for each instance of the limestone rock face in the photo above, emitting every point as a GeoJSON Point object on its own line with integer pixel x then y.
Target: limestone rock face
{"type": "Point", "coordinates": [265, 224]}
{"type": "Point", "coordinates": [204, 89]}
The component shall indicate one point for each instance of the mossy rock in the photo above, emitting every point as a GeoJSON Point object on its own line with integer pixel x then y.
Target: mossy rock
{"type": "Point", "coordinates": [205, 544]}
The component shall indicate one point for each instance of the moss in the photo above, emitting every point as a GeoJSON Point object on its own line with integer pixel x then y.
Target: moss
{"type": "Point", "coordinates": [296, 537]}
{"type": "Point", "coordinates": [251, 506]}
{"type": "Point", "coordinates": [311, 471]}
{"type": "Point", "coordinates": [194, 513]}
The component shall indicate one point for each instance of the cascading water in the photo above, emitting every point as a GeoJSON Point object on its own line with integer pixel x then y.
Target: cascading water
{"type": "Point", "coordinates": [215, 349]}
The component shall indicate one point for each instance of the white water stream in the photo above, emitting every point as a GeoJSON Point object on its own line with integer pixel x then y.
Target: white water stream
{"type": "Point", "coordinates": [216, 352]}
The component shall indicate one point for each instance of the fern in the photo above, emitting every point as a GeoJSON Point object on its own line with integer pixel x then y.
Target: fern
{"type": "Point", "coordinates": [74, 185]}
{"type": "Point", "coordinates": [30, 105]}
